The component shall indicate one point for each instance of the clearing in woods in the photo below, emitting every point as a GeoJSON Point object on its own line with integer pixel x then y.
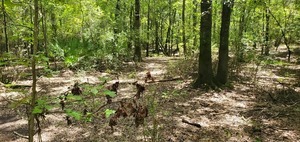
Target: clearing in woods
{"type": "Point", "coordinates": [266, 111]}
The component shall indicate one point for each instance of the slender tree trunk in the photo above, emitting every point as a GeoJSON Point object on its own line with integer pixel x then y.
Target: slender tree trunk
{"type": "Point", "coordinates": [53, 26]}
{"type": "Point", "coordinates": [117, 20]}
{"type": "Point", "coordinates": [215, 21]}
{"type": "Point", "coordinates": [172, 33]}
{"type": "Point", "coordinates": [137, 24]}
{"type": "Point", "coordinates": [168, 31]}
{"type": "Point", "coordinates": [195, 4]}
{"type": "Point", "coordinates": [263, 29]}
{"type": "Point", "coordinates": [129, 43]}
{"type": "Point", "coordinates": [267, 45]}
{"type": "Point", "coordinates": [148, 29]}
{"type": "Point", "coordinates": [156, 37]}
{"type": "Point", "coordinates": [33, 95]}
{"type": "Point", "coordinates": [6, 48]}
{"type": "Point", "coordinates": [44, 24]}
{"type": "Point", "coordinates": [240, 48]}
{"type": "Point", "coordinates": [183, 28]}
{"type": "Point", "coordinates": [222, 72]}
{"type": "Point", "coordinates": [205, 73]}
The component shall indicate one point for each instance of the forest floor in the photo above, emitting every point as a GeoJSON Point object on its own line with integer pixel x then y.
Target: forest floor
{"type": "Point", "coordinates": [267, 110]}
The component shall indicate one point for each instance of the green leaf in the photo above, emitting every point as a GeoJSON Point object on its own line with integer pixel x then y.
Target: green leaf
{"type": "Point", "coordinates": [110, 93]}
{"type": "Point", "coordinates": [9, 4]}
{"type": "Point", "coordinates": [88, 117]}
{"type": "Point", "coordinates": [41, 102]}
{"type": "Point", "coordinates": [47, 107]}
{"type": "Point", "coordinates": [72, 97]}
{"type": "Point", "coordinates": [37, 110]}
{"type": "Point", "coordinates": [75, 114]}
{"type": "Point", "coordinates": [109, 112]}
{"type": "Point", "coordinates": [94, 91]}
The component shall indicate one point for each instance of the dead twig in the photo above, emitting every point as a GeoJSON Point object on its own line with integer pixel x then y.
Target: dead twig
{"type": "Point", "coordinates": [191, 123]}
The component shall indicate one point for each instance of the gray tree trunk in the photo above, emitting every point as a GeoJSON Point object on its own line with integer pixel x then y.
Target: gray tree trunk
{"type": "Point", "coordinates": [222, 72]}
{"type": "Point", "coordinates": [205, 73]}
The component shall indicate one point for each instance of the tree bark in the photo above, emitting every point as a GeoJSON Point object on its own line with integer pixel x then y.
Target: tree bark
{"type": "Point", "coordinates": [129, 43]}
{"type": "Point", "coordinates": [44, 24]}
{"type": "Point", "coordinates": [53, 26]}
{"type": "Point", "coordinates": [33, 95]}
{"type": "Point", "coordinates": [205, 73]}
{"type": "Point", "coordinates": [6, 48]}
{"type": "Point", "coordinates": [195, 4]}
{"type": "Point", "coordinates": [148, 29]}
{"type": "Point", "coordinates": [222, 72]}
{"type": "Point", "coordinates": [168, 31]}
{"type": "Point", "coordinates": [183, 28]}
{"type": "Point", "coordinates": [117, 19]}
{"type": "Point", "coordinates": [267, 43]}
{"type": "Point", "coordinates": [137, 24]}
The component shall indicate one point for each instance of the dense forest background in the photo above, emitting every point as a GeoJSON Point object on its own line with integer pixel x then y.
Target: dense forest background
{"type": "Point", "coordinates": [185, 48]}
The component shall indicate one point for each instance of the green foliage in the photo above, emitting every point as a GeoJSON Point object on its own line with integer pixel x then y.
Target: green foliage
{"type": "Point", "coordinates": [110, 93]}
{"type": "Point", "coordinates": [55, 51]}
{"type": "Point", "coordinates": [75, 114]}
{"type": "Point", "coordinates": [74, 97]}
{"type": "Point", "coordinates": [42, 106]}
{"type": "Point", "coordinates": [109, 112]}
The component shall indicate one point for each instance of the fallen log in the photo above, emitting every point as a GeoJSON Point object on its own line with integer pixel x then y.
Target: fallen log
{"type": "Point", "coordinates": [166, 80]}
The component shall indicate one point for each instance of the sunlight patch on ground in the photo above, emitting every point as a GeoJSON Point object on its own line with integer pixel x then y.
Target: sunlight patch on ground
{"type": "Point", "coordinates": [290, 135]}
{"type": "Point", "coordinates": [13, 125]}
{"type": "Point", "coordinates": [232, 121]}
{"type": "Point", "coordinates": [10, 95]}
{"type": "Point", "coordinates": [65, 133]}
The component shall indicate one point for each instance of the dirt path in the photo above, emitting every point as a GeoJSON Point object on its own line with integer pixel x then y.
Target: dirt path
{"type": "Point", "coordinates": [240, 114]}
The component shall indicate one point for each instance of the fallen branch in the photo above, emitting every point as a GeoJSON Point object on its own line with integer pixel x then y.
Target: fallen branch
{"type": "Point", "coordinates": [191, 123]}
{"type": "Point", "coordinates": [20, 135]}
{"type": "Point", "coordinates": [24, 136]}
{"type": "Point", "coordinates": [16, 86]}
{"type": "Point", "coordinates": [166, 80]}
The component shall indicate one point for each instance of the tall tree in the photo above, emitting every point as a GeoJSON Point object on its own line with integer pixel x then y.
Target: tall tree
{"type": "Point", "coordinates": [183, 28]}
{"type": "Point", "coordinates": [267, 44]}
{"type": "Point", "coordinates": [137, 24]}
{"type": "Point", "coordinates": [44, 26]}
{"type": "Point", "coordinates": [117, 19]}
{"type": "Point", "coordinates": [195, 5]}
{"type": "Point", "coordinates": [205, 73]}
{"type": "Point", "coordinates": [6, 48]}
{"type": "Point", "coordinates": [222, 72]}
{"type": "Point", "coordinates": [33, 62]}
{"type": "Point", "coordinates": [148, 29]}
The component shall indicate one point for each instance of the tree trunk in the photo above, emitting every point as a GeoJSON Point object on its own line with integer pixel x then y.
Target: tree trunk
{"type": "Point", "coordinates": [167, 43]}
{"type": "Point", "coordinates": [137, 24]}
{"type": "Point", "coordinates": [44, 24]}
{"type": "Point", "coordinates": [33, 95]}
{"type": "Point", "coordinates": [195, 4]}
{"type": "Point", "coordinates": [263, 29]}
{"type": "Point", "coordinates": [117, 21]}
{"type": "Point", "coordinates": [222, 72]}
{"type": "Point", "coordinates": [267, 44]}
{"type": "Point", "coordinates": [156, 37]}
{"type": "Point", "coordinates": [183, 28]}
{"type": "Point", "coordinates": [129, 43]}
{"type": "Point", "coordinates": [6, 48]}
{"type": "Point", "coordinates": [53, 26]}
{"type": "Point", "coordinates": [240, 48]}
{"type": "Point", "coordinates": [205, 73]}
{"type": "Point", "coordinates": [148, 29]}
